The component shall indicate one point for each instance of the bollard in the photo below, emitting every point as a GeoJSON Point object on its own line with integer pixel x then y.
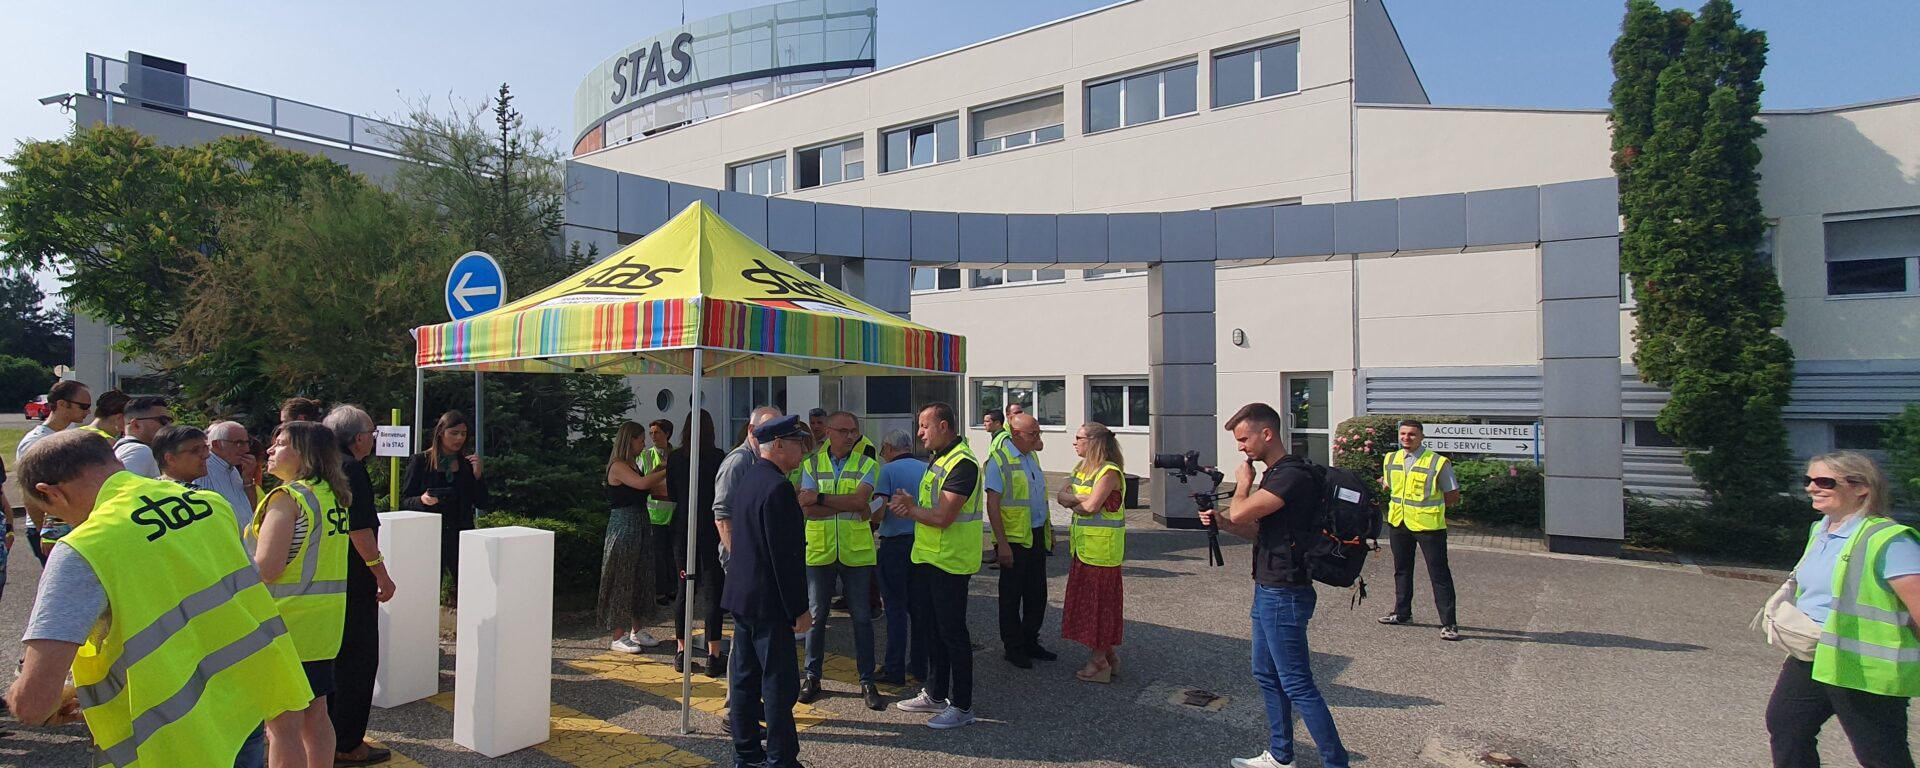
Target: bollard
{"type": "Point", "coordinates": [503, 661]}
{"type": "Point", "coordinates": [410, 622]}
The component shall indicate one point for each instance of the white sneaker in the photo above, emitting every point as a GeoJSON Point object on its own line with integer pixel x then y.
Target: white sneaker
{"type": "Point", "coordinates": [625, 644]}
{"type": "Point", "coordinates": [953, 717]}
{"type": "Point", "coordinates": [1265, 760]}
{"type": "Point", "coordinates": [921, 703]}
{"type": "Point", "coordinates": [646, 639]}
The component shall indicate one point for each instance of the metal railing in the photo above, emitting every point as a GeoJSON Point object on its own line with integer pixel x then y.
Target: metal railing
{"type": "Point", "coordinates": [110, 78]}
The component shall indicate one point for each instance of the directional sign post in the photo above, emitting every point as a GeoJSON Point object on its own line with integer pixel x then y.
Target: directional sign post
{"type": "Point", "coordinates": [475, 285]}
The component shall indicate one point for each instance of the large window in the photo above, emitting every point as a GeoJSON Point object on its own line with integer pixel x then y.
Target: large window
{"type": "Point", "coordinates": [1142, 98]}
{"type": "Point", "coordinates": [1312, 416]}
{"type": "Point", "coordinates": [831, 164]}
{"type": "Point", "coordinates": [986, 278]}
{"type": "Point", "coordinates": [905, 395]}
{"type": "Point", "coordinates": [924, 144]}
{"type": "Point", "coordinates": [1857, 436]}
{"type": "Point", "coordinates": [1869, 256]}
{"type": "Point", "coordinates": [1645, 433]}
{"type": "Point", "coordinates": [1118, 404]}
{"type": "Point", "coordinates": [1256, 73]}
{"type": "Point", "coordinates": [831, 274]}
{"type": "Point", "coordinates": [1034, 121]}
{"type": "Point", "coordinates": [745, 394]}
{"type": "Point", "coordinates": [927, 279]}
{"type": "Point", "coordinates": [760, 177]}
{"type": "Point", "coordinates": [1043, 399]}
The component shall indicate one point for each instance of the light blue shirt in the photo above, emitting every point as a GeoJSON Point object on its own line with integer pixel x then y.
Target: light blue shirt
{"type": "Point", "coordinates": [901, 474]}
{"type": "Point", "coordinates": [222, 478]}
{"type": "Point", "coordinates": [1815, 574]}
{"type": "Point", "coordinates": [807, 483]}
{"type": "Point", "coordinates": [996, 481]}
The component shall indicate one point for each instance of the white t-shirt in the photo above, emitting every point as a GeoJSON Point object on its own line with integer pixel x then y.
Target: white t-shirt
{"type": "Point", "coordinates": [137, 457]}
{"type": "Point", "coordinates": [33, 436]}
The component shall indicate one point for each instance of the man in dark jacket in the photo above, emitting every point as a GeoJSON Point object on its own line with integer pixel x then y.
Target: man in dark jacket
{"type": "Point", "coordinates": [766, 592]}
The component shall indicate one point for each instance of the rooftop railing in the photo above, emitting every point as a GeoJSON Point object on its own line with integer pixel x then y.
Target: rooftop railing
{"type": "Point", "coordinates": [110, 78]}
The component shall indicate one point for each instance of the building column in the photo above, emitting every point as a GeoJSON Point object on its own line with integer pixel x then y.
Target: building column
{"type": "Point", "coordinates": [1580, 367]}
{"type": "Point", "coordinates": [1181, 381]}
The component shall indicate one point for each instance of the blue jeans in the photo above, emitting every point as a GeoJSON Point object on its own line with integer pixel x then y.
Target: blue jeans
{"type": "Point", "coordinates": [820, 592]}
{"type": "Point", "coordinates": [1284, 669]}
{"type": "Point", "coordinates": [763, 682]}
{"type": "Point", "coordinates": [906, 655]}
{"type": "Point", "coordinates": [253, 754]}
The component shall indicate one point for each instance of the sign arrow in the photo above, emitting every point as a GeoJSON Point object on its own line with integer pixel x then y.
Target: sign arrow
{"type": "Point", "coordinates": [461, 292]}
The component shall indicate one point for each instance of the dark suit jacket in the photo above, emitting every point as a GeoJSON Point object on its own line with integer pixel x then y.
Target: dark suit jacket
{"type": "Point", "coordinates": [457, 507]}
{"type": "Point", "coordinates": [767, 572]}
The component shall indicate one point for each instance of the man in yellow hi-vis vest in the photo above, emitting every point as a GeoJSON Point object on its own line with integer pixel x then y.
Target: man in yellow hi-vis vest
{"type": "Point", "coordinates": [946, 554]}
{"type": "Point", "coordinates": [1023, 537]}
{"type": "Point", "coordinates": [836, 494]}
{"type": "Point", "coordinates": [177, 652]}
{"type": "Point", "coordinates": [1420, 487]}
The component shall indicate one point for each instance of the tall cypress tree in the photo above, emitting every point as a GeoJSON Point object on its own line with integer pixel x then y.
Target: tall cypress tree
{"type": "Point", "coordinates": [1685, 102]}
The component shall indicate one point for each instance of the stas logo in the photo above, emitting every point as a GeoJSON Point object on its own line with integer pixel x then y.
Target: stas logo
{"type": "Point", "coordinates": [170, 513]}
{"type": "Point", "coordinates": [650, 67]}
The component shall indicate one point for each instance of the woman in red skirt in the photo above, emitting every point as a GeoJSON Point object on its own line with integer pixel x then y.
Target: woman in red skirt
{"type": "Point", "coordinates": [1093, 615]}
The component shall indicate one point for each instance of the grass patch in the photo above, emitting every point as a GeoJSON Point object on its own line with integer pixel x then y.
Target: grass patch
{"type": "Point", "coordinates": [10, 439]}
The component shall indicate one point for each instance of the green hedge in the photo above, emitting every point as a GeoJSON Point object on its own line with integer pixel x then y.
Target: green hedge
{"type": "Point", "coordinates": [1773, 532]}
{"type": "Point", "coordinates": [1505, 493]}
{"type": "Point", "coordinates": [1901, 443]}
{"type": "Point", "coordinates": [1363, 442]}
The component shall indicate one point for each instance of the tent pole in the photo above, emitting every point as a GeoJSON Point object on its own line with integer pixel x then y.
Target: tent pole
{"type": "Point", "coordinates": [419, 407]}
{"type": "Point", "coordinates": [696, 427]}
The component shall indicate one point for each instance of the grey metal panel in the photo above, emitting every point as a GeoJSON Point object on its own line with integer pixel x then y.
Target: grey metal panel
{"type": "Point", "coordinates": [1033, 238]}
{"type": "Point", "coordinates": [1367, 226]}
{"type": "Point", "coordinates": [1186, 236]}
{"type": "Point", "coordinates": [1133, 238]}
{"type": "Point", "coordinates": [1862, 390]}
{"type": "Point", "coordinates": [1179, 434]}
{"type": "Point", "coordinates": [1181, 286]}
{"type": "Point", "coordinates": [1243, 233]}
{"type": "Point", "coordinates": [889, 234]}
{"type": "Point", "coordinates": [1583, 506]}
{"type": "Point", "coordinates": [1583, 447]}
{"type": "Point", "coordinates": [790, 225]}
{"type": "Point", "coordinates": [1578, 387]}
{"type": "Point", "coordinates": [1303, 230]}
{"type": "Point", "coordinates": [643, 204]}
{"type": "Point", "coordinates": [747, 213]}
{"type": "Point", "coordinates": [1580, 328]}
{"type": "Point", "coordinates": [598, 242]}
{"type": "Point", "coordinates": [1180, 339]}
{"type": "Point", "coordinates": [936, 238]}
{"type": "Point", "coordinates": [1576, 209]}
{"type": "Point", "coordinates": [1463, 391]}
{"type": "Point", "coordinates": [839, 231]}
{"type": "Point", "coordinates": [1581, 269]}
{"type": "Point", "coordinates": [983, 238]}
{"type": "Point", "coordinates": [884, 284]}
{"type": "Point", "coordinates": [1434, 222]}
{"type": "Point", "coordinates": [1638, 399]}
{"type": "Point", "coordinates": [1083, 238]}
{"type": "Point", "coordinates": [1503, 217]}
{"type": "Point", "coordinates": [1182, 390]}
{"type": "Point", "coordinates": [679, 196]}
{"type": "Point", "coordinates": [1658, 472]}
{"type": "Point", "coordinates": [593, 196]}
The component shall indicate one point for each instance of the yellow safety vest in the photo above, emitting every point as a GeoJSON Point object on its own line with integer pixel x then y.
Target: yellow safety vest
{"type": "Point", "coordinates": [845, 538]}
{"type": "Point", "coordinates": [955, 548]}
{"type": "Point", "coordinates": [1415, 499]}
{"type": "Point", "coordinates": [312, 591]}
{"type": "Point", "coordinates": [865, 448]}
{"type": "Point", "coordinates": [658, 512]}
{"type": "Point", "coordinates": [1022, 507]}
{"type": "Point", "coordinates": [1099, 539]}
{"type": "Point", "coordinates": [195, 656]}
{"type": "Point", "coordinates": [104, 434]}
{"type": "Point", "coordinates": [1868, 643]}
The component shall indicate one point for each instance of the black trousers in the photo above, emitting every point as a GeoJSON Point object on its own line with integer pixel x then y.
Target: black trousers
{"type": "Point", "coordinates": [763, 682]}
{"type": "Point", "coordinates": [665, 572]}
{"type": "Point", "coordinates": [709, 583]}
{"type": "Point", "coordinates": [1023, 594]}
{"type": "Point", "coordinates": [940, 615]}
{"type": "Point", "coordinates": [354, 670]}
{"type": "Point", "coordinates": [1433, 547]}
{"type": "Point", "coordinates": [1876, 724]}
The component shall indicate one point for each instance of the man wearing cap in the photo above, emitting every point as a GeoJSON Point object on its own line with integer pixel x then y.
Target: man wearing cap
{"type": "Point", "coordinates": [766, 593]}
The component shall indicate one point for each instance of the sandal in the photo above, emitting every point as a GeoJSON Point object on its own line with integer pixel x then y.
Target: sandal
{"type": "Point", "coordinates": [1100, 674]}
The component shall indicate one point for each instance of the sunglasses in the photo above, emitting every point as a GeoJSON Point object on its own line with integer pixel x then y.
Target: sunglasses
{"type": "Point", "coordinates": [1823, 483]}
{"type": "Point", "coordinates": [78, 404]}
{"type": "Point", "coordinates": [165, 421]}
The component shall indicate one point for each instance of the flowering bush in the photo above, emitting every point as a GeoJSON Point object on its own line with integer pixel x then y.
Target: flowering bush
{"type": "Point", "coordinates": [1362, 442]}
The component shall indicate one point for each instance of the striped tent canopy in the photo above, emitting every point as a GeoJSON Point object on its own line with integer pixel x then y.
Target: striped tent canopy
{"type": "Point", "coordinates": [696, 282]}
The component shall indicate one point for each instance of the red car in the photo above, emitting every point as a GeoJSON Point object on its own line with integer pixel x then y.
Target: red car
{"type": "Point", "coordinates": [38, 408]}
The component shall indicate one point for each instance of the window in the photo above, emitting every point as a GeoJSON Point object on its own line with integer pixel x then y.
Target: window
{"type": "Point", "coordinates": [760, 177]}
{"type": "Point", "coordinates": [1869, 256]}
{"type": "Point", "coordinates": [905, 395]}
{"type": "Point", "coordinates": [831, 164]}
{"type": "Point", "coordinates": [831, 274]}
{"type": "Point", "coordinates": [1093, 273]}
{"type": "Point", "coordinates": [1857, 436]}
{"type": "Point", "coordinates": [1256, 73]}
{"type": "Point", "coordinates": [930, 279]}
{"type": "Point", "coordinates": [925, 144]}
{"type": "Point", "coordinates": [745, 394]}
{"type": "Point", "coordinates": [1142, 98]}
{"type": "Point", "coordinates": [1312, 418]}
{"type": "Point", "coordinates": [986, 278]}
{"type": "Point", "coordinates": [1118, 404]}
{"type": "Point", "coordinates": [1034, 121]}
{"type": "Point", "coordinates": [1644, 433]}
{"type": "Point", "coordinates": [1043, 399]}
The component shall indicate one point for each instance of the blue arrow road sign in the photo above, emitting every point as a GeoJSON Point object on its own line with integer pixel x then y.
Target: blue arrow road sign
{"type": "Point", "coordinates": [474, 285]}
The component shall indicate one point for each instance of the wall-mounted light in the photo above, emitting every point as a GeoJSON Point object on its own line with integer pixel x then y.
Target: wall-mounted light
{"type": "Point", "coordinates": [1239, 338]}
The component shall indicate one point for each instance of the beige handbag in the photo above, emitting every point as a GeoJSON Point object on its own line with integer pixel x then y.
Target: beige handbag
{"type": "Point", "coordinates": [1787, 627]}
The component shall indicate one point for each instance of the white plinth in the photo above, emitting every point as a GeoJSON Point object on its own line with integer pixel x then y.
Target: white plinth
{"type": "Point", "coordinates": [410, 622]}
{"type": "Point", "coordinates": [503, 682]}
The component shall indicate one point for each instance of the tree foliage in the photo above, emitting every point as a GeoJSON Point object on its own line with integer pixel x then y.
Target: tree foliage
{"type": "Point", "coordinates": [1685, 101]}
{"type": "Point", "coordinates": [21, 380]}
{"type": "Point", "coordinates": [1901, 444]}
{"type": "Point", "coordinates": [27, 328]}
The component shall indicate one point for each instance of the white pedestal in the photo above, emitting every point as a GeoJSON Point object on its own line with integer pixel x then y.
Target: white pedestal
{"type": "Point", "coordinates": [410, 622]}
{"type": "Point", "coordinates": [503, 681]}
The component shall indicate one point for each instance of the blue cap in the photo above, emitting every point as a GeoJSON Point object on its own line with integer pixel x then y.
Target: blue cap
{"type": "Point", "coordinates": [784, 427]}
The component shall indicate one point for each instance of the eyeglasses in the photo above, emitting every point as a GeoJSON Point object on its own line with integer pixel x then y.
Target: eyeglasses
{"type": "Point", "coordinates": [165, 421]}
{"type": "Point", "coordinates": [1824, 483]}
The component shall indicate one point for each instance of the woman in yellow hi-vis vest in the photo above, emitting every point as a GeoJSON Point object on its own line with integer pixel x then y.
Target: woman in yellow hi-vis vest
{"type": "Point", "coordinates": [299, 538]}
{"type": "Point", "coordinates": [1860, 581]}
{"type": "Point", "coordinates": [1092, 613]}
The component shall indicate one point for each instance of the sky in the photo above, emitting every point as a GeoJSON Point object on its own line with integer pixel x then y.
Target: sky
{"type": "Point", "coordinates": [377, 58]}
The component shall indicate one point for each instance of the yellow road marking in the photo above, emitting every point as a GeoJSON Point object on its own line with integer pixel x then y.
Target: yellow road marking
{"type": "Point", "coordinates": [659, 679]}
{"type": "Point", "coordinates": [398, 760]}
{"type": "Point", "coordinates": [589, 742]}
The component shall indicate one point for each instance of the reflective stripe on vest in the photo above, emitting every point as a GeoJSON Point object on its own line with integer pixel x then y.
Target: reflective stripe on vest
{"type": "Point", "coordinates": [846, 538]}
{"type": "Point", "coordinates": [149, 639]}
{"type": "Point", "coordinates": [658, 512]}
{"type": "Point", "coordinates": [1415, 501]}
{"type": "Point", "coordinates": [1868, 642]}
{"type": "Point", "coordinates": [1099, 539]}
{"type": "Point", "coordinates": [956, 548]}
{"type": "Point", "coordinates": [313, 599]}
{"type": "Point", "coordinates": [127, 751]}
{"type": "Point", "coordinates": [1021, 508]}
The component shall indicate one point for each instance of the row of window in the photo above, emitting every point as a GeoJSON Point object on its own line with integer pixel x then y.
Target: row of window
{"type": "Point", "coordinates": [929, 279]}
{"type": "Point", "coordinates": [1845, 435]}
{"type": "Point", "coordinates": [1118, 404]}
{"type": "Point", "coordinates": [1240, 75]}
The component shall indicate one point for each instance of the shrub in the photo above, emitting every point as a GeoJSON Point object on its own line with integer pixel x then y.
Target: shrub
{"type": "Point", "coordinates": [1901, 441]}
{"type": "Point", "coordinates": [21, 380]}
{"type": "Point", "coordinates": [1772, 532]}
{"type": "Point", "coordinates": [1363, 442]}
{"type": "Point", "coordinates": [1497, 492]}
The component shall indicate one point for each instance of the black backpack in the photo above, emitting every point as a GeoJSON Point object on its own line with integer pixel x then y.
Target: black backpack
{"type": "Point", "coordinates": [1349, 528]}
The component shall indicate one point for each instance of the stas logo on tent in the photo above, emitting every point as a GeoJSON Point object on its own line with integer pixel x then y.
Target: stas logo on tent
{"type": "Point", "coordinates": [650, 67]}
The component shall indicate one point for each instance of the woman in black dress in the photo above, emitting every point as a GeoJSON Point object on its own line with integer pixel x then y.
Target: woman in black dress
{"type": "Point", "coordinates": [709, 580]}
{"type": "Point", "coordinates": [446, 479]}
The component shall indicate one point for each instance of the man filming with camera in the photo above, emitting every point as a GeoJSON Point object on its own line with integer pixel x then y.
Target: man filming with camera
{"type": "Point", "coordinates": [1279, 512]}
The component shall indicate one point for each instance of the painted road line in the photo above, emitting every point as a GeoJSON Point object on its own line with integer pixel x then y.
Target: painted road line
{"type": "Point", "coordinates": [659, 679]}
{"type": "Point", "coordinates": [589, 742]}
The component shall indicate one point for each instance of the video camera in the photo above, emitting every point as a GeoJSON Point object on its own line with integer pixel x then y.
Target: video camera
{"type": "Point", "coordinates": [1186, 465]}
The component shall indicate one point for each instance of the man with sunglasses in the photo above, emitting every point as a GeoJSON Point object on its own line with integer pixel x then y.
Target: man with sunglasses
{"type": "Point", "coordinates": [146, 416]}
{"type": "Point", "coordinates": [69, 403]}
